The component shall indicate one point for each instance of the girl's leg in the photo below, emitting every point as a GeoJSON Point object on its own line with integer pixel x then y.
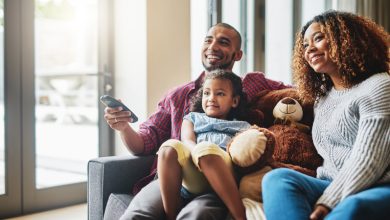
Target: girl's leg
{"type": "Point", "coordinates": [288, 194]}
{"type": "Point", "coordinates": [222, 181]}
{"type": "Point", "coordinates": [170, 178]}
{"type": "Point", "coordinates": [373, 203]}
{"type": "Point", "coordinates": [216, 166]}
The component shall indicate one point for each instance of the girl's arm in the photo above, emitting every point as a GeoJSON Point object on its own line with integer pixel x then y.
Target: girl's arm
{"type": "Point", "coordinates": [187, 133]}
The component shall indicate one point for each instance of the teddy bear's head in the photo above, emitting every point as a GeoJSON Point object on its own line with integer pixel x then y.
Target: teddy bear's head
{"type": "Point", "coordinates": [266, 100]}
{"type": "Point", "coordinates": [288, 109]}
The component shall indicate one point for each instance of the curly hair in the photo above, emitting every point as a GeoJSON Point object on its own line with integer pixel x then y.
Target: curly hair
{"type": "Point", "coordinates": [358, 46]}
{"type": "Point", "coordinates": [238, 112]}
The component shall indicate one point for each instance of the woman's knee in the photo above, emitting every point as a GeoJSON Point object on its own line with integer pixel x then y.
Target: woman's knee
{"type": "Point", "coordinates": [278, 177]}
{"type": "Point", "coordinates": [353, 206]}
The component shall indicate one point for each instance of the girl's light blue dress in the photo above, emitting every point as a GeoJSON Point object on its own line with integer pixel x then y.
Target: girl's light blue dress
{"type": "Point", "coordinates": [217, 131]}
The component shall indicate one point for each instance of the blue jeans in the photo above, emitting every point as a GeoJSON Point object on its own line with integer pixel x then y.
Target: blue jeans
{"type": "Point", "coordinates": [288, 194]}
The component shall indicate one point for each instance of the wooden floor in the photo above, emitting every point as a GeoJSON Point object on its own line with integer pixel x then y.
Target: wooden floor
{"type": "Point", "coordinates": [77, 212]}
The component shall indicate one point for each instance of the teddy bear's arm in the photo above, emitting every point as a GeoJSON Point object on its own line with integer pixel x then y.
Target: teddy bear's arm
{"type": "Point", "coordinates": [276, 164]}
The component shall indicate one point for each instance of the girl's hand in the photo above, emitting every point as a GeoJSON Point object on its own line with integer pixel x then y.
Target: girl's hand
{"type": "Point", "coordinates": [319, 213]}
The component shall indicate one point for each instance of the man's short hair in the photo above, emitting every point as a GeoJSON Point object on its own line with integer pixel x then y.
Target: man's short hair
{"type": "Point", "coordinates": [228, 26]}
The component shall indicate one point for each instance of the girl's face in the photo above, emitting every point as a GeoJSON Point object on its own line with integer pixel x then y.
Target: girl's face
{"type": "Point", "coordinates": [317, 50]}
{"type": "Point", "coordinates": [217, 98]}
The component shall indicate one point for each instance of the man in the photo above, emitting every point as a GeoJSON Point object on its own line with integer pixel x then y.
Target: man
{"type": "Point", "coordinates": [221, 49]}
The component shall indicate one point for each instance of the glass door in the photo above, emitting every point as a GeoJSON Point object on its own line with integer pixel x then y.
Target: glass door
{"type": "Point", "coordinates": [10, 109]}
{"type": "Point", "coordinates": [54, 61]}
{"type": "Point", "coordinates": [2, 141]}
{"type": "Point", "coordinates": [66, 90]}
{"type": "Point", "coordinates": [61, 81]}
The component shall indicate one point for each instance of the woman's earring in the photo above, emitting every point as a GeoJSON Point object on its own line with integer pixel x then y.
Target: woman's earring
{"type": "Point", "coordinates": [323, 84]}
{"type": "Point", "coordinates": [323, 77]}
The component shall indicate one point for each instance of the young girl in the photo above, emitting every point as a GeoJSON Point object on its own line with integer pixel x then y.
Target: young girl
{"type": "Point", "coordinates": [341, 61]}
{"type": "Point", "coordinates": [187, 168]}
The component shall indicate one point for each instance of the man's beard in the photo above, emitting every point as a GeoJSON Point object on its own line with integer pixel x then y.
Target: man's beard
{"type": "Point", "coordinates": [222, 66]}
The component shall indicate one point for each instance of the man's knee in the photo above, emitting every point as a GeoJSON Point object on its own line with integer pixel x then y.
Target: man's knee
{"type": "Point", "coordinates": [207, 206]}
{"type": "Point", "coordinates": [147, 204]}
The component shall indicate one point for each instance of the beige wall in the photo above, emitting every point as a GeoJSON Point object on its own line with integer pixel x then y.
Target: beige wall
{"type": "Point", "coordinates": [168, 47]}
{"type": "Point", "coordinates": [152, 53]}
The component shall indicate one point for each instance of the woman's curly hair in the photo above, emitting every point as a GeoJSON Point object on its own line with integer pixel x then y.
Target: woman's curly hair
{"type": "Point", "coordinates": [358, 46]}
{"type": "Point", "coordinates": [238, 112]}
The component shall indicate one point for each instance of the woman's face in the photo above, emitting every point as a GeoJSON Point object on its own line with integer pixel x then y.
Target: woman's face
{"type": "Point", "coordinates": [316, 47]}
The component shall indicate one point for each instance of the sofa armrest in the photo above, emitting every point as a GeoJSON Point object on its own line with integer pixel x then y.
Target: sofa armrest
{"type": "Point", "coordinates": [114, 174]}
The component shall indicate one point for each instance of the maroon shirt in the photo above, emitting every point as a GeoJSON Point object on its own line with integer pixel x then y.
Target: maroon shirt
{"type": "Point", "coordinates": [165, 123]}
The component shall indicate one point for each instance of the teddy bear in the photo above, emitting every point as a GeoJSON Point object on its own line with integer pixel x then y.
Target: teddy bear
{"type": "Point", "coordinates": [281, 139]}
{"type": "Point", "coordinates": [290, 120]}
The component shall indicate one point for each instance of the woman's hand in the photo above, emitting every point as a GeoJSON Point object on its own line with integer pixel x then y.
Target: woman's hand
{"type": "Point", "coordinates": [319, 213]}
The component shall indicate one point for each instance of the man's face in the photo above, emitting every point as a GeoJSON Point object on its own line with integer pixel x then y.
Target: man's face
{"type": "Point", "coordinates": [220, 49]}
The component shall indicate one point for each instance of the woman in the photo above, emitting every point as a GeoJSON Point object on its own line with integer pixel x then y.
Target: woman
{"type": "Point", "coordinates": [341, 61]}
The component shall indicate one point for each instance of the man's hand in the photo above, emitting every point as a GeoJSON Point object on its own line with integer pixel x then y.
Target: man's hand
{"type": "Point", "coordinates": [319, 213]}
{"type": "Point", "coordinates": [119, 120]}
{"type": "Point", "coordinates": [116, 118]}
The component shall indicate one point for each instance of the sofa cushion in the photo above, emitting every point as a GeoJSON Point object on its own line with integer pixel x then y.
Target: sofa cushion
{"type": "Point", "coordinates": [116, 206]}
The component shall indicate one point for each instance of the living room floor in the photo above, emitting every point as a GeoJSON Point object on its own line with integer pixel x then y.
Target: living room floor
{"type": "Point", "coordinates": [76, 212]}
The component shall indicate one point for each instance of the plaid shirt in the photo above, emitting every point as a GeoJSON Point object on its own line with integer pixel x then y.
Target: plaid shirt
{"type": "Point", "coordinates": [165, 123]}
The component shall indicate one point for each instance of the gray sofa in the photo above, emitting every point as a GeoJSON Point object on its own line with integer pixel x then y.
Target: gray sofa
{"type": "Point", "coordinates": [110, 182]}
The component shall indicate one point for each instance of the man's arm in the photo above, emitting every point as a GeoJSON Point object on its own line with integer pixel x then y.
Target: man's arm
{"type": "Point", "coordinates": [256, 82]}
{"type": "Point", "coordinates": [132, 140]}
{"type": "Point", "coordinates": [119, 120]}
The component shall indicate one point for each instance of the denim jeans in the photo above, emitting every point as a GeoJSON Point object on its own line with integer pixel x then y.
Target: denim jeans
{"type": "Point", "coordinates": [288, 194]}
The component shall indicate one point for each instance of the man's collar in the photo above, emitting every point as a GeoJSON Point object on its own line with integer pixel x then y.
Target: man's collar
{"type": "Point", "coordinates": [199, 80]}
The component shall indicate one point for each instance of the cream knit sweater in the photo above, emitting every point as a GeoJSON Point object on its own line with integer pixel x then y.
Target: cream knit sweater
{"type": "Point", "coordinates": [351, 131]}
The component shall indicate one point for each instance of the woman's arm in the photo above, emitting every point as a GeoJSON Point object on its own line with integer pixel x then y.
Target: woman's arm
{"type": "Point", "coordinates": [187, 133]}
{"type": "Point", "coordinates": [369, 158]}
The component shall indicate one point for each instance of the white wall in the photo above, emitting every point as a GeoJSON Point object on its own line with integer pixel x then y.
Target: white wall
{"type": "Point", "coordinates": [152, 53]}
{"type": "Point", "coordinates": [168, 47]}
{"type": "Point", "coordinates": [278, 40]}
